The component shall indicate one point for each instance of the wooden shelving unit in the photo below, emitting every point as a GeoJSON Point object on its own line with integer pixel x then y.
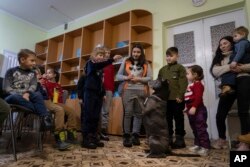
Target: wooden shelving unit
{"type": "Point", "coordinates": [69, 52]}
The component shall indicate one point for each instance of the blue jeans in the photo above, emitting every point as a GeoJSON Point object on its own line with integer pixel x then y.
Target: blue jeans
{"type": "Point", "coordinates": [36, 103]}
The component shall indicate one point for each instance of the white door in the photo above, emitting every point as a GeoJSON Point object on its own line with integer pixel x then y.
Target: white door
{"type": "Point", "coordinates": [197, 42]}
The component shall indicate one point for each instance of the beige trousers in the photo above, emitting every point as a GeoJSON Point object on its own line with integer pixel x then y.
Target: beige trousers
{"type": "Point", "coordinates": [60, 110]}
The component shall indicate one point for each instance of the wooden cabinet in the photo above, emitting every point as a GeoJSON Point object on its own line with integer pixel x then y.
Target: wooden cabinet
{"type": "Point", "coordinates": [69, 52]}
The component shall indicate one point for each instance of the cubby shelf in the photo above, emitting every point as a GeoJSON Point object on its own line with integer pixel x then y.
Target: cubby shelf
{"type": "Point", "coordinates": [69, 52]}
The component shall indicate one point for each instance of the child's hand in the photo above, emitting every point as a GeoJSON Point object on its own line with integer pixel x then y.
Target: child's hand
{"type": "Point", "coordinates": [104, 98]}
{"type": "Point", "coordinates": [185, 110]}
{"type": "Point", "coordinates": [26, 96]}
{"type": "Point", "coordinates": [178, 100]}
{"type": "Point", "coordinates": [192, 111]}
{"type": "Point", "coordinates": [129, 77]}
{"type": "Point", "coordinates": [135, 79]}
{"type": "Point", "coordinates": [233, 65]}
{"type": "Point", "coordinates": [116, 57]}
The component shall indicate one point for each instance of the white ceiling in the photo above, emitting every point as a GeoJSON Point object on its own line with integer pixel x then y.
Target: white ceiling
{"type": "Point", "coordinates": [48, 14]}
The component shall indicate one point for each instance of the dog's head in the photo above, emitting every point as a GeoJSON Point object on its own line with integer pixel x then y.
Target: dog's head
{"type": "Point", "coordinates": [160, 87]}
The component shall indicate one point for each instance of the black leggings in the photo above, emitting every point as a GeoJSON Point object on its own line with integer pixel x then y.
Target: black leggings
{"type": "Point", "coordinates": [243, 100]}
{"type": "Point", "coordinates": [224, 106]}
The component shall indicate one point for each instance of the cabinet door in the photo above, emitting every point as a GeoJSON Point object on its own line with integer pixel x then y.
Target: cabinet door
{"type": "Point", "coordinates": [116, 117]}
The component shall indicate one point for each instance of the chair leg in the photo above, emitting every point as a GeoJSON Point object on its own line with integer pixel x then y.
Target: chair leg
{"type": "Point", "coordinates": [13, 136]}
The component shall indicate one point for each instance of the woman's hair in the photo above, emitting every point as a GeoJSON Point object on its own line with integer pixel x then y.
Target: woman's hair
{"type": "Point", "coordinates": [55, 72]}
{"type": "Point", "coordinates": [218, 57]}
{"type": "Point", "coordinates": [142, 59]}
{"type": "Point", "coordinates": [198, 70]}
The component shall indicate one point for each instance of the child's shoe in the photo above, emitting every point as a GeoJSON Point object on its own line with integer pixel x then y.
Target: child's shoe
{"type": "Point", "coordinates": [220, 144]}
{"type": "Point", "coordinates": [60, 141]}
{"type": "Point", "coordinates": [203, 151]}
{"type": "Point", "coordinates": [194, 149]}
{"type": "Point", "coordinates": [72, 136]}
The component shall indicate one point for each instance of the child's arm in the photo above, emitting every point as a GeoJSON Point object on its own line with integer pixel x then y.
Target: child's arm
{"type": "Point", "coordinates": [198, 90]}
{"type": "Point", "coordinates": [33, 84]}
{"type": "Point", "coordinates": [183, 83]}
{"type": "Point", "coordinates": [240, 52]}
{"type": "Point", "coordinates": [102, 64]}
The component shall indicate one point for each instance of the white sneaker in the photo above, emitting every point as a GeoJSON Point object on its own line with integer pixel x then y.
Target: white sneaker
{"type": "Point", "coordinates": [194, 149]}
{"type": "Point", "coordinates": [203, 151]}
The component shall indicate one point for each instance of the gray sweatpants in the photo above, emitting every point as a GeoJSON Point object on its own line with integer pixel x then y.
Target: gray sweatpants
{"type": "Point", "coordinates": [132, 108]}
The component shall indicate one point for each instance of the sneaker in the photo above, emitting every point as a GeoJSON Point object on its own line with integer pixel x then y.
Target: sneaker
{"type": "Point", "coordinates": [244, 138]}
{"type": "Point", "coordinates": [220, 144]}
{"type": "Point", "coordinates": [60, 141]}
{"type": "Point", "coordinates": [194, 149]}
{"type": "Point", "coordinates": [243, 147]}
{"type": "Point", "coordinates": [203, 152]}
{"type": "Point", "coordinates": [72, 136]}
{"type": "Point", "coordinates": [104, 136]}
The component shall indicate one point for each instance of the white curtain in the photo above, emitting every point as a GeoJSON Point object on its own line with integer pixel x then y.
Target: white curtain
{"type": "Point", "coordinates": [9, 61]}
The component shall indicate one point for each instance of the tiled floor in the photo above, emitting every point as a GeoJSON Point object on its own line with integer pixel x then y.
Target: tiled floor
{"type": "Point", "coordinates": [112, 155]}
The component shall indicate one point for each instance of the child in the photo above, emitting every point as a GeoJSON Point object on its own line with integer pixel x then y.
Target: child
{"type": "Point", "coordinates": [93, 97]}
{"type": "Point", "coordinates": [51, 85]}
{"type": "Point", "coordinates": [196, 111]}
{"type": "Point", "coordinates": [241, 56]}
{"type": "Point", "coordinates": [136, 72]}
{"type": "Point", "coordinates": [57, 110]}
{"type": "Point", "coordinates": [176, 75]}
{"type": "Point", "coordinates": [109, 86]}
{"type": "Point", "coordinates": [20, 84]}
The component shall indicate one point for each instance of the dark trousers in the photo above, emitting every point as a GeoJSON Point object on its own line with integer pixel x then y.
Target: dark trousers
{"type": "Point", "coordinates": [91, 113]}
{"type": "Point", "coordinates": [35, 103]}
{"type": "Point", "coordinates": [243, 100]}
{"type": "Point", "coordinates": [228, 78]}
{"type": "Point", "coordinates": [224, 106]}
{"type": "Point", "coordinates": [175, 112]}
{"type": "Point", "coordinates": [198, 123]}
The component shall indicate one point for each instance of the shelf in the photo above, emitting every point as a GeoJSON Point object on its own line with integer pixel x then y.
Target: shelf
{"type": "Point", "coordinates": [57, 63]}
{"type": "Point", "coordinates": [142, 17]}
{"type": "Point", "coordinates": [41, 47]}
{"type": "Point", "coordinates": [69, 87]}
{"type": "Point", "coordinates": [55, 49]}
{"type": "Point", "coordinates": [122, 51]}
{"type": "Point", "coordinates": [41, 56]}
{"type": "Point", "coordinates": [70, 73]}
{"type": "Point", "coordinates": [74, 60]}
{"type": "Point", "coordinates": [73, 41]}
{"type": "Point", "coordinates": [141, 28]}
{"type": "Point", "coordinates": [144, 44]}
{"type": "Point", "coordinates": [116, 30]}
{"type": "Point", "coordinates": [92, 36]}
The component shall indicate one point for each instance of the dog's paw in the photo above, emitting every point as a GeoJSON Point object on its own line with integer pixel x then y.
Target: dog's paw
{"type": "Point", "coordinates": [161, 155]}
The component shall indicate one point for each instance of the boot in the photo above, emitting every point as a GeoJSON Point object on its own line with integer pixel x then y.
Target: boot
{"type": "Point", "coordinates": [244, 138]}
{"type": "Point", "coordinates": [179, 142]}
{"type": "Point", "coordinates": [60, 141]}
{"type": "Point", "coordinates": [97, 141]}
{"type": "Point", "coordinates": [88, 142]}
{"type": "Point", "coordinates": [72, 136]}
{"type": "Point", "coordinates": [135, 139]}
{"type": "Point", "coordinates": [127, 140]}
